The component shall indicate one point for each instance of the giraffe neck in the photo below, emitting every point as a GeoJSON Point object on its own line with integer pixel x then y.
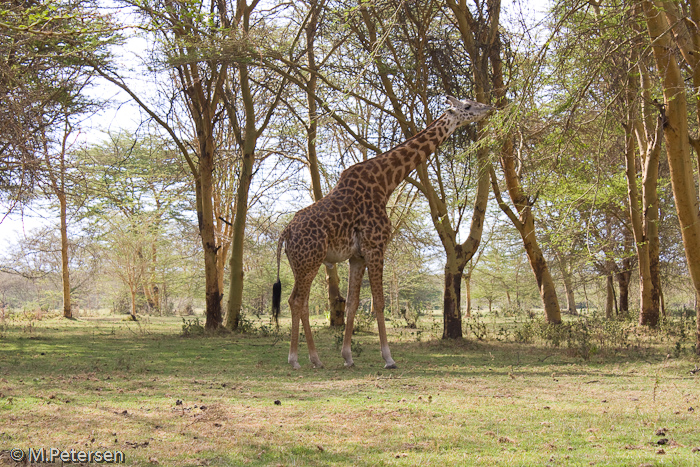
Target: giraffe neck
{"type": "Point", "coordinates": [404, 158]}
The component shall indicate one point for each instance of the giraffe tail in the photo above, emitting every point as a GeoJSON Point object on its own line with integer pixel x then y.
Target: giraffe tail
{"type": "Point", "coordinates": [277, 287]}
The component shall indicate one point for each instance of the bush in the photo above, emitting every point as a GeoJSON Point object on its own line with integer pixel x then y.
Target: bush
{"type": "Point", "coordinates": [192, 327]}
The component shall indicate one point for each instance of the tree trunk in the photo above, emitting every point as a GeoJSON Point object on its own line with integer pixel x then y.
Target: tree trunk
{"type": "Point", "coordinates": [468, 293]}
{"type": "Point", "coordinates": [206, 230]}
{"type": "Point", "coordinates": [132, 291]}
{"type": "Point", "coordinates": [222, 256]}
{"type": "Point", "coordinates": [457, 255]}
{"type": "Point", "coordinates": [609, 297]}
{"type": "Point", "coordinates": [545, 284]}
{"type": "Point", "coordinates": [235, 295]}
{"type": "Point", "coordinates": [525, 224]}
{"type": "Point", "coordinates": [147, 293]}
{"type": "Point", "coordinates": [677, 137]}
{"type": "Point", "coordinates": [568, 283]}
{"type": "Point", "coordinates": [65, 271]}
{"type": "Point", "coordinates": [452, 314]}
{"type": "Point", "coordinates": [649, 314]}
{"type": "Point", "coordinates": [336, 302]}
{"type": "Point", "coordinates": [156, 299]}
{"type": "Point", "coordinates": [697, 324]}
{"type": "Point", "coordinates": [249, 141]}
{"type": "Point", "coordinates": [623, 283]}
{"type": "Point", "coordinates": [570, 299]}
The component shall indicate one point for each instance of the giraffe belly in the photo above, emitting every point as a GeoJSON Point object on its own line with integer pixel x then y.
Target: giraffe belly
{"type": "Point", "coordinates": [337, 255]}
{"type": "Point", "coordinates": [343, 250]}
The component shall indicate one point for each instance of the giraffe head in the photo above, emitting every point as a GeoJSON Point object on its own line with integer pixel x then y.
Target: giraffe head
{"type": "Point", "coordinates": [466, 111]}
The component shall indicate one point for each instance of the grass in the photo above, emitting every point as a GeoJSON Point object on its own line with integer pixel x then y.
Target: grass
{"type": "Point", "coordinates": [105, 384]}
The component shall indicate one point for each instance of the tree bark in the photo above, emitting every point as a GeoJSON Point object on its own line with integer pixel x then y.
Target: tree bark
{"type": "Point", "coordinates": [649, 314]}
{"type": "Point", "coordinates": [132, 292]}
{"type": "Point", "coordinates": [568, 282]}
{"type": "Point", "coordinates": [452, 313]}
{"type": "Point", "coordinates": [235, 300]}
{"type": "Point", "coordinates": [545, 284]}
{"type": "Point", "coordinates": [697, 324]}
{"type": "Point", "coordinates": [58, 185]}
{"type": "Point", "coordinates": [468, 294]}
{"type": "Point", "coordinates": [609, 297]}
{"type": "Point", "coordinates": [248, 143]}
{"type": "Point", "coordinates": [623, 283]}
{"type": "Point", "coordinates": [206, 225]}
{"type": "Point", "coordinates": [570, 299]}
{"type": "Point", "coordinates": [65, 270]}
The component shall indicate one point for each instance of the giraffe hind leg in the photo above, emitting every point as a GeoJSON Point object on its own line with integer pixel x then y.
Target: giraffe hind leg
{"type": "Point", "coordinates": [293, 358]}
{"type": "Point", "coordinates": [357, 269]}
{"type": "Point", "coordinates": [375, 270]}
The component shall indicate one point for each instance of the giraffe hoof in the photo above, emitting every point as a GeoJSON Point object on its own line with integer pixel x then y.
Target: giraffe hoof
{"type": "Point", "coordinates": [349, 364]}
{"type": "Point", "coordinates": [390, 366]}
{"type": "Point", "coordinates": [296, 366]}
{"type": "Point", "coordinates": [316, 363]}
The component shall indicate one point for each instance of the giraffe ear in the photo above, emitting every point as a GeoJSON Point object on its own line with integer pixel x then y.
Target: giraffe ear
{"type": "Point", "coordinates": [453, 101]}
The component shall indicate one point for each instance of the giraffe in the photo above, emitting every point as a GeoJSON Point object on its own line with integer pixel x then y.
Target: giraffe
{"type": "Point", "coordinates": [351, 223]}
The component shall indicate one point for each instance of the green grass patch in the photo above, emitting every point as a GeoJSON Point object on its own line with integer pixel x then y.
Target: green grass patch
{"type": "Point", "coordinates": [163, 399]}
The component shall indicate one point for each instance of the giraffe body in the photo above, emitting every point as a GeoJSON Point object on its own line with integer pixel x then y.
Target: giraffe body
{"type": "Point", "coordinates": [351, 223]}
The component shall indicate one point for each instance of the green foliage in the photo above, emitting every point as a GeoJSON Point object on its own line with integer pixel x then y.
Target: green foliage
{"type": "Point", "coordinates": [47, 50]}
{"type": "Point", "coordinates": [192, 327]}
{"type": "Point", "coordinates": [364, 320]}
{"type": "Point", "coordinates": [584, 336]}
{"type": "Point", "coordinates": [257, 328]}
{"type": "Point", "coordinates": [355, 344]}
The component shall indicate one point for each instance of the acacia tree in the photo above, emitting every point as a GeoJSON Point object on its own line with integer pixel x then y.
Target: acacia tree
{"type": "Point", "coordinates": [43, 76]}
{"type": "Point", "coordinates": [43, 50]}
{"type": "Point", "coordinates": [57, 167]}
{"type": "Point", "coordinates": [126, 241]}
{"type": "Point", "coordinates": [661, 18]}
{"type": "Point", "coordinates": [192, 36]}
{"type": "Point", "coordinates": [139, 177]}
{"type": "Point", "coordinates": [521, 214]}
{"type": "Point", "coordinates": [631, 95]}
{"type": "Point", "coordinates": [251, 96]}
{"type": "Point", "coordinates": [645, 134]}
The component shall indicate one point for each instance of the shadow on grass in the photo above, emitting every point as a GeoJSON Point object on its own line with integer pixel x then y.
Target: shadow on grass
{"type": "Point", "coordinates": [115, 347]}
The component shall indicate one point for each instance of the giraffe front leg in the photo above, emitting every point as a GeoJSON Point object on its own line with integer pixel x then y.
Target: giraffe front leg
{"type": "Point", "coordinates": [390, 364]}
{"type": "Point", "coordinates": [346, 351]}
{"type": "Point", "coordinates": [313, 354]}
{"type": "Point", "coordinates": [357, 269]}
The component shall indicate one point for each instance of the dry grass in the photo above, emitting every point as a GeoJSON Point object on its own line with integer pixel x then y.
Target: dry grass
{"type": "Point", "coordinates": [103, 384]}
